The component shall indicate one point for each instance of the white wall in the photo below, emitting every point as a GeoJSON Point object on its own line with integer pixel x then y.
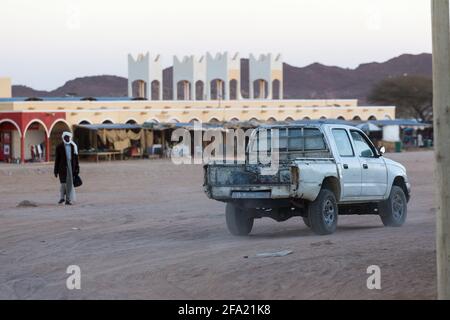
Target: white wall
{"type": "Point", "coordinates": [391, 133]}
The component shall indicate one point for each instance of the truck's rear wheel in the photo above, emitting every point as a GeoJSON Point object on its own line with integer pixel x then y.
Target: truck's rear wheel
{"type": "Point", "coordinates": [323, 213]}
{"type": "Point", "coordinates": [239, 221]}
{"type": "Point", "coordinates": [394, 210]}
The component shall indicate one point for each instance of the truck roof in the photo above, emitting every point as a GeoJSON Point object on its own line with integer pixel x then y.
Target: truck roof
{"type": "Point", "coordinates": [310, 124]}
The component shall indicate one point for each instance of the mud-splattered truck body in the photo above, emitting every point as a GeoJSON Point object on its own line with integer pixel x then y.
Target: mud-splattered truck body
{"type": "Point", "coordinates": [324, 171]}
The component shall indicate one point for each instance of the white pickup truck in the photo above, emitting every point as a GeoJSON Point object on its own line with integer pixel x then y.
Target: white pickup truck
{"type": "Point", "coordinates": [325, 170]}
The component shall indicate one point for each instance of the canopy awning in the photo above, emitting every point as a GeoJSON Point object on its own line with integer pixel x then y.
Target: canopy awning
{"type": "Point", "coordinates": [110, 126]}
{"type": "Point", "coordinates": [187, 126]}
{"type": "Point", "coordinates": [401, 123]}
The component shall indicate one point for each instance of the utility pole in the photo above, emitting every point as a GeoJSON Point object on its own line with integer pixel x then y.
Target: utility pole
{"type": "Point", "coordinates": [441, 110]}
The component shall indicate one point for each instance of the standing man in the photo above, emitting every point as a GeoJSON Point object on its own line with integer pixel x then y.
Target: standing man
{"type": "Point", "coordinates": [66, 166]}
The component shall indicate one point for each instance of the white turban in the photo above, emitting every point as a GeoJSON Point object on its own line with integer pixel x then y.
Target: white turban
{"type": "Point", "coordinates": [69, 134]}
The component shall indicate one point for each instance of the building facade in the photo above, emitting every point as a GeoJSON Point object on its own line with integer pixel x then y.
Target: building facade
{"type": "Point", "coordinates": [206, 89]}
{"type": "Point", "coordinates": [42, 122]}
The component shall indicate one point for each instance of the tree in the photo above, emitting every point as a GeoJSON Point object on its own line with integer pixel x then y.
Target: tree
{"type": "Point", "coordinates": [412, 95]}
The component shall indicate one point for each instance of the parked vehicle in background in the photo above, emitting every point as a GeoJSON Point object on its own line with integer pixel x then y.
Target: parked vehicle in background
{"type": "Point", "coordinates": [325, 170]}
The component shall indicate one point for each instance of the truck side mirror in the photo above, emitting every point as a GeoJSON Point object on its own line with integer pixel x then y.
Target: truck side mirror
{"type": "Point", "coordinates": [382, 150]}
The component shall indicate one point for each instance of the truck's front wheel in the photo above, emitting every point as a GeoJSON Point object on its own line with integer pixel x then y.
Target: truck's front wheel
{"type": "Point", "coordinates": [239, 221]}
{"type": "Point", "coordinates": [394, 210]}
{"type": "Point", "coordinates": [323, 213]}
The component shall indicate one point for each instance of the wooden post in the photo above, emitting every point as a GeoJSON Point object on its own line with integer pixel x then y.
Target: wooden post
{"type": "Point", "coordinates": [441, 106]}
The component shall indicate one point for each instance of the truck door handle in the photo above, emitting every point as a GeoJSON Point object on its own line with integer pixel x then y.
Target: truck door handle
{"type": "Point", "coordinates": [345, 166]}
{"type": "Point", "coordinates": [365, 166]}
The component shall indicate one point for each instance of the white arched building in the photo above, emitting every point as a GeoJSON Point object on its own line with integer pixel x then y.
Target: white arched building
{"type": "Point", "coordinates": [188, 73]}
{"type": "Point", "coordinates": [211, 77]}
{"type": "Point", "coordinates": [147, 72]}
{"type": "Point", "coordinates": [224, 72]}
{"type": "Point", "coordinates": [266, 77]}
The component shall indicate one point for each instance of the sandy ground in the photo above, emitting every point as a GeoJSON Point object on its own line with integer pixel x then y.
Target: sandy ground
{"type": "Point", "coordinates": [145, 230]}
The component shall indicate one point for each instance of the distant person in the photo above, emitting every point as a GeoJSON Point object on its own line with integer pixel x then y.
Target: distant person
{"type": "Point", "coordinates": [420, 142]}
{"type": "Point", "coordinates": [66, 167]}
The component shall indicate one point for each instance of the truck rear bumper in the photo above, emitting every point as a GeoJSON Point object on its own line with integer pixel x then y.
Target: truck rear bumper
{"type": "Point", "coordinates": [249, 193]}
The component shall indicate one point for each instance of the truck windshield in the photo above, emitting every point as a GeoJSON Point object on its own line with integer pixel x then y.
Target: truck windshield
{"type": "Point", "coordinates": [297, 139]}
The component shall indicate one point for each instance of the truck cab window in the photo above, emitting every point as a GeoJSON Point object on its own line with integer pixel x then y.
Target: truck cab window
{"type": "Point", "coordinates": [343, 143]}
{"type": "Point", "coordinates": [363, 148]}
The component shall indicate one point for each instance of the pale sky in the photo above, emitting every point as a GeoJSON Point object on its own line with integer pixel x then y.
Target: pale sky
{"type": "Point", "coordinates": [47, 42]}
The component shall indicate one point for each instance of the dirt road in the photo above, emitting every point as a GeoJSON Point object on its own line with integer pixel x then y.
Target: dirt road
{"type": "Point", "coordinates": [145, 230]}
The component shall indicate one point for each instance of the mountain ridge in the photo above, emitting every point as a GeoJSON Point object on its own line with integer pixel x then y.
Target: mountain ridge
{"type": "Point", "coordinates": [314, 81]}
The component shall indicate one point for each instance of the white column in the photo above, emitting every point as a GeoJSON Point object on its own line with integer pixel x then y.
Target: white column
{"type": "Point", "coordinates": [281, 94]}
{"type": "Point", "coordinates": [207, 89]}
{"type": "Point", "coordinates": [227, 90]}
{"type": "Point", "coordinates": [161, 92]}
{"type": "Point", "coordinates": [175, 90]}
{"type": "Point", "coordinates": [130, 89]}
{"type": "Point", "coordinates": [269, 90]}
{"type": "Point", "coordinates": [192, 87]}
{"type": "Point", "coordinates": [186, 90]}
{"type": "Point", "coordinates": [238, 90]}
{"type": "Point", "coordinates": [149, 91]}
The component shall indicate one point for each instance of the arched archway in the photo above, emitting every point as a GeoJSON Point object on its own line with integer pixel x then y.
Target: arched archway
{"type": "Point", "coordinates": [11, 125]}
{"type": "Point", "coordinates": [306, 119]}
{"type": "Point", "coordinates": [276, 89]}
{"type": "Point", "coordinates": [139, 89]}
{"type": "Point", "coordinates": [193, 120]}
{"type": "Point", "coordinates": [289, 119]}
{"type": "Point", "coordinates": [217, 87]}
{"type": "Point", "coordinates": [271, 120]}
{"type": "Point", "coordinates": [10, 137]}
{"type": "Point", "coordinates": [323, 118]}
{"type": "Point", "coordinates": [131, 121]}
{"type": "Point", "coordinates": [372, 118]}
{"type": "Point", "coordinates": [214, 121]}
{"type": "Point", "coordinates": [260, 89]}
{"type": "Point", "coordinates": [341, 118]}
{"type": "Point", "coordinates": [184, 90]}
{"type": "Point", "coordinates": [235, 120]}
{"type": "Point", "coordinates": [56, 132]}
{"type": "Point", "coordinates": [33, 124]}
{"type": "Point", "coordinates": [152, 120]}
{"type": "Point", "coordinates": [35, 138]}
{"type": "Point", "coordinates": [107, 121]}
{"type": "Point", "coordinates": [156, 90]}
{"type": "Point", "coordinates": [199, 90]}
{"type": "Point", "coordinates": [356, 118]}
{"type": "Point", "coordinates": [387, 117]}
{"type": "Point", "coordinates": [84, 122]}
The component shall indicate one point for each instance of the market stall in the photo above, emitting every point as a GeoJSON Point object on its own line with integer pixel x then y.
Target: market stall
{"type": "Point", "coordinates": [110, 141]}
